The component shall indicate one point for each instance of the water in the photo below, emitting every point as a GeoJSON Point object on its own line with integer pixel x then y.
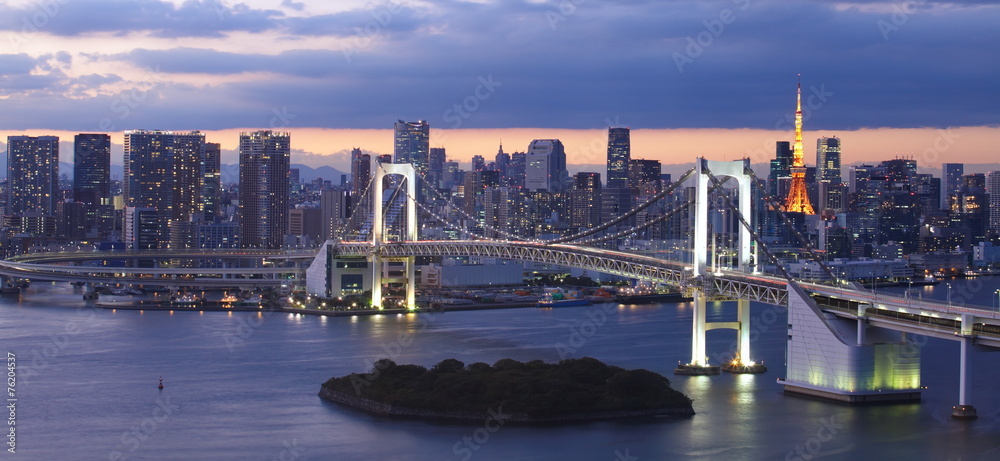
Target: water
{"type": "Point", "coordinates": [243, 386]}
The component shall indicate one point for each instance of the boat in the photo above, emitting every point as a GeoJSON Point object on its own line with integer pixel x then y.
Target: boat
{"type": "Point", "coordinates": [186, 299]}
{"type": "Point", "coordinates": [254, 300]}
{"type": "Point", "coordinates": [10, 288]}
{"type": "Point", "coordinates": [929, 280]}
{"type": "Point", "coordinates": [559, 298]}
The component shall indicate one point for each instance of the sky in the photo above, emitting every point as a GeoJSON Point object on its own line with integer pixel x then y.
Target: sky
{"type": "Point", "coordinates": [710, 78]}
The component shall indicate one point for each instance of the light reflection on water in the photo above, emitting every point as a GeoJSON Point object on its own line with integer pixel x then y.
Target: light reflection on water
{"type": "Point", "coordinates": [246, 402]}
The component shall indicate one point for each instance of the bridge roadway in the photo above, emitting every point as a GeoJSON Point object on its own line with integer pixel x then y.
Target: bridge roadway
{"type": "Point", "coordinates": [64, 267]}
{"type": "Point", "coordinates": [929, 318]}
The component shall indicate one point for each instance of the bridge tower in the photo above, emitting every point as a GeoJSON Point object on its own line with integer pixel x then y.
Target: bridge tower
{"type": "Point", "coordinates": [746, 262]}
{"type": "Point", "coordinates": [378, 234]}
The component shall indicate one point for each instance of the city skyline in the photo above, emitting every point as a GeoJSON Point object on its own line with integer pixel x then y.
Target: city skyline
{"type": "Point", "coordinates": [687, 82]}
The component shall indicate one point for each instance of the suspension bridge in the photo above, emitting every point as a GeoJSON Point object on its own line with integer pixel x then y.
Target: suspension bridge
{"type": "Point", "coordinates": [844, 343]}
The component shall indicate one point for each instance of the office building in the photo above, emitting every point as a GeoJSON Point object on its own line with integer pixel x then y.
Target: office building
{"type": "Point", "coordinates": [412, 144]}
{"type": "Point", "coordinates": [951, 181]}
{"type": "Point", "coordinates": [545, 166]}
{"type": "Point", "coordinates": [263, 210]}
{"type": "Point", "coordinates": [828, 160]}
{"type": "Point", "coordinates": [163, 173]}
{"type": "Point", "coordinates": [585, 200]}
{"type": "Point", "coordinates": [91, 186]}
{"type": "Point", "coordinates": [32, 175]}
{"type": "Point", "coordinates": [619, 156]}
{"type": "Point", "coordinates": [211, 181]}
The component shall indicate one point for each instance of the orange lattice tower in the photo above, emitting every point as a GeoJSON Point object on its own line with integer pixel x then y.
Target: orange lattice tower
{"type": "Point", "coordinates": [798, 197]}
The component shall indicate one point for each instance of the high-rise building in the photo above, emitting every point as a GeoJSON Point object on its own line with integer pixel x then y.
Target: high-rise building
{"type": "Point", "coordinates": [435, 170]}
{"type": "Point", "coordinates": [951, 181]}
{"type": "Point", "coordinates": [92, 183]}
{"type": "Point", "coordinates": [412, 144]}
{"type": "Point", "coordinates": [619, 155]}
{"type": "Point", "coordinates": [828, 160]}
{"type": "Point", "coordinates": [798, 195]}
{"type": "Point", "coordinates": [644, 176]}
{"type": "Point", "coordinates": [478, 163]}
{"type": "Point", "coordinates": [993, 191]}
{"type": "Point", "coordinates": [32, 175]}
{"type": "Point", "coordinates": [780, 167]}
{"type": "Point", "coordinates": [211, 181]}
{"type": "Point", "coordinates": [263, 210]}
{"type": "Point", "coordinates": [545, 166]}
{"type": "Point", "coordinates": [515, 169]}
{"type": "Point", "coordinates": [501, 161]}
{"type": "Point", "coordinates": [162, 173]}
{"type": "Point", "coordinates": [585, 200]}
{"type": "Point", "coordinates": [361, 171]}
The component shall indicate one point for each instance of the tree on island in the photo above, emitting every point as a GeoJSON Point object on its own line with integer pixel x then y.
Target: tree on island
{"type": "Point", "coordinates": [536, 389]}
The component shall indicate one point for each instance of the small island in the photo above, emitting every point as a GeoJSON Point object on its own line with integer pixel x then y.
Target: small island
{"type": "Point", "coordinates": [582, 389]}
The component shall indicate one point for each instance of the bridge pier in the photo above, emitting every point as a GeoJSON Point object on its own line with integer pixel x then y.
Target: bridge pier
{"type": "Point", "coordinates": [964, 410]}
{"type": "Point", "coordinates": [699, 361]}
{"type": "Point", "coordinates": [741, 362]}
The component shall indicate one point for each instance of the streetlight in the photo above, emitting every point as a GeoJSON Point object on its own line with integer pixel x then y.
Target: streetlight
{"type": "Point", "coordinates": [997, 292]}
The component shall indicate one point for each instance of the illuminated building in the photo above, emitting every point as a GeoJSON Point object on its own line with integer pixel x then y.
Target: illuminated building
{"type": "Point", "coordinates": [163, 173]}
{"type": "Point", "coordinates": [32, 174]}
{"type": "Point", "coordinates": [263, 210]}
{"type": "Point", "coordinates": [545, 166]}
{"type": "Point", "coordinates": [412, 144]}
{"type": "Point", "coordinates": [619, 155]}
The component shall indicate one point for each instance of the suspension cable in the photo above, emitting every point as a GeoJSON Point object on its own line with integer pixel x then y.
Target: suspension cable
{"type": "Point", "coordinates": [773, 204]}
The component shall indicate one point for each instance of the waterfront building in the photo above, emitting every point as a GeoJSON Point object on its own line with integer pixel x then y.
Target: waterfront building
{"type": "Point", "coordinates": [263, 209]}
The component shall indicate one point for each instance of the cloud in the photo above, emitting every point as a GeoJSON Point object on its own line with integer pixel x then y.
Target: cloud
{"type": "Point", "coordinates": [555, 65]}
{"type": "Point", "coordinates": [192, 18]}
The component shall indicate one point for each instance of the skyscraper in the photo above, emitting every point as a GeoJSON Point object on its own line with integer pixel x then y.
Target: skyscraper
{"type": "Point", "coordinates": [951, 181]}
{"type": "Point", "coordinates": [585, 200]}
{"type": "Point", "coordinates": [515, 169]}
{"type": "Point", "coordinates": [828, 160]}
{"type": "Point", "coordinates": [412, 144]}
{"type": "Point", "coordinates": [798, 195]}
{"type": "Point", "coordinates": [619, 155]}
{"type": "Point", "coordinates": [32, 174]}
{"type": "Point", "coordinates": [263, 210]}
{"type": "Point", "coordinates": [361, 171]}
{"type": "Point", "coordinates": [211, 181]}
{"type": "Point", "coordinates": [435, 169]}
{"type": "Point", "coordinates": [780, 167]}
{"type": "Point", "coordinates": [993, 191]}
{"type": "Point", "coordinates": [92, 181]}
{"type": "Point", "coordinates": [545, 166]}
{"type": "Point", "coordinates": [163, 173]}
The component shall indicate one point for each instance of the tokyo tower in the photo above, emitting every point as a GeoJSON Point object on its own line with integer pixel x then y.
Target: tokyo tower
{"type": "Point", "coordinates": [798, 198]}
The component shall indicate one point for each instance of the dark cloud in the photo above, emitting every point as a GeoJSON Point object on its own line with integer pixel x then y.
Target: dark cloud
{"type": "Point", "coordinates": [645, 63]}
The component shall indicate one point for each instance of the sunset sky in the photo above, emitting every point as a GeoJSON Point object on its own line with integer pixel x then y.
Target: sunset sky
{"type": "Point", "coordinates": [915, 79]}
